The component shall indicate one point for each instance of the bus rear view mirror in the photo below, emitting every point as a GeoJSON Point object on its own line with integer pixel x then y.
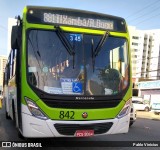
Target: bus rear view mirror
{"type": "Point", "coordinates": [14, 37]}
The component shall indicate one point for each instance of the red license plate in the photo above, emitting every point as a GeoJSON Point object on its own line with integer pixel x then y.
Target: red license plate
{"type": "Point", "coordinates": [84, 133]}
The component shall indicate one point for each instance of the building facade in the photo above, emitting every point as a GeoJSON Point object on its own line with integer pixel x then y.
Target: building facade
{"type": "Point", "coordinates": [3, 61]}
{"type": "Point", "coordinates": [145, 53]}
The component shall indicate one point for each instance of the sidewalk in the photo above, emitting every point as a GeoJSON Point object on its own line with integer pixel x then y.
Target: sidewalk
{"type": "Point", "coordinates": [147, 115]}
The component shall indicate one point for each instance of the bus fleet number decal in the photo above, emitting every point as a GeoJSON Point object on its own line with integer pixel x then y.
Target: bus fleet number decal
{"type": "Point", "coordinates": [68, 114]}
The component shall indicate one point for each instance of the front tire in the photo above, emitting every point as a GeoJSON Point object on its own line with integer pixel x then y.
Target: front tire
{"type": "Point", "coordinates": [20, 135]}
{"type": "Point", "coordinates": [130, 124]}
{"type": "Point", "coordinates": [14, 115]}
{"type": "Point", "coordinates": [146, 109]}
{"type": "Point", "coordinates": [7, 116]}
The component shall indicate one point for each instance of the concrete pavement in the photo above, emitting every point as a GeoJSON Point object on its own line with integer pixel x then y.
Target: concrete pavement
{"type": "Point", "coordinates": [147, 115]}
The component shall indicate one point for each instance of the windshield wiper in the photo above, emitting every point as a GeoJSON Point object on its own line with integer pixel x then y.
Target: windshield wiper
{"type": "Point", "coordinates": [98, 48]}
{"type": "Point", "coordinates": [65, 42]}
{"type": "Point", "coordinates": [101, 43]}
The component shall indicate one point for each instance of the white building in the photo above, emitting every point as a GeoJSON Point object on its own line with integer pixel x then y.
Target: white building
{"type": "Point", "coordinates": [3, 61]}
{"type": "Point", "coordinates": [11, 22]}
{"type": "Point", "coordinates": [136, 45]}
{"type": "Point", "coordinates": [145, 49]}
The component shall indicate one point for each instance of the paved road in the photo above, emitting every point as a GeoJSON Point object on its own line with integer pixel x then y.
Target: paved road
{"type": "Point", "coordinates": [142, 130]}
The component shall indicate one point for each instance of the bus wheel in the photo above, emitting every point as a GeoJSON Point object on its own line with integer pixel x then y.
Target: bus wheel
{"type": "Point", "coordinates": [146, 109]}
{"type": "Point", "coordinates": [130, 124]}
{"type": "Point", "coordinates": [7, 116]}
{"type": "Point", "coordinates": [14, 115]}
{"type": "Point", "coordinates": [20, 135]}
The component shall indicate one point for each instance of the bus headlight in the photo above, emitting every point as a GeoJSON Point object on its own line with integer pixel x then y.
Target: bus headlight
{"type": "Point", "coordinates": [125, 111]}
{"type": "Point", "coordinates": [34, 109]}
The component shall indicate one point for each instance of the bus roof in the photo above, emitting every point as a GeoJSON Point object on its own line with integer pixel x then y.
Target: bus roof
{"type": "Point", "coordinates": [74, 17]}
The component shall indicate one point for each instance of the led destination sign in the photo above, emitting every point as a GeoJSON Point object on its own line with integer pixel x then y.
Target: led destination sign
{"type": "Point", "coordinates": [78, 21]}
{"type": "Point", "coordinates": [77, 18]}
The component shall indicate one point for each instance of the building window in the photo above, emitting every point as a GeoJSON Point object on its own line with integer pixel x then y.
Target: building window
{"type": "Point", "coordinates": [144, 51]}
{"type": "Point", "coordinates": [144, 45]}
{"type": "Point", "coordinates": [134, 56]}
{"type": "Point", "coordinates": [134, 61]}
{"type": "Point", "coordinates": [144, 57]}
{"type": "Point", "coordinates": [135, 37]}
{"type": "Point", "coordinates": [145, 38]}
{"type": "Point", "coordinates": [135, 50]}
{"type": "Point", "coordinates": [136, 44]}
{"type": "Point", "coordinates": [150, 40]}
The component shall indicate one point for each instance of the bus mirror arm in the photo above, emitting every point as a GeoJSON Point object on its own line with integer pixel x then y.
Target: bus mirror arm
{"type": "Point", "coordinates": [16, 34]}
{"type": "Point", "coordinates": [14, 41]}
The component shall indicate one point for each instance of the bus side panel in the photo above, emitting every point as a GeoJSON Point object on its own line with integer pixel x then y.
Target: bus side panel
{"type": "Point", "coordinates": [5, 98]}
{"type": "Point", "coordinates": [12, 92]}
{"type": "Point", "coordinates": [18, 83]}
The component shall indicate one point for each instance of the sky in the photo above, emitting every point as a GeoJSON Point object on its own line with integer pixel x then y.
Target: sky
{"type": "Point", "coordinates": [143, 14]}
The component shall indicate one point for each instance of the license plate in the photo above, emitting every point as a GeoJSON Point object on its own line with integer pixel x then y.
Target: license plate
{"type": "Point", "coordinates": [84, 133]}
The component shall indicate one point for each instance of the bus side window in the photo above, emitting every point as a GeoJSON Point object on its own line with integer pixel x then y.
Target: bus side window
{"type": "Point", "coordinates": [14, 62]}
{"type": "Point", "coordinates": [8, 70]}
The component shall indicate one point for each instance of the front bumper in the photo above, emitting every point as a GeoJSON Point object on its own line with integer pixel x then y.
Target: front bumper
{"type": "Point", "coordinates": [34, 127]}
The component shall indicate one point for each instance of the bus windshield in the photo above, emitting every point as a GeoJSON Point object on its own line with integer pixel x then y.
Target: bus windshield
{"type": "Point", "coordinates": [52, 69]}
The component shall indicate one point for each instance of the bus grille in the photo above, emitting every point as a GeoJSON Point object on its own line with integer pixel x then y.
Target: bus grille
{"type": "Point", "coordinates": [70, 129]}
{"type": "Point", "coordinates": [83, 104]}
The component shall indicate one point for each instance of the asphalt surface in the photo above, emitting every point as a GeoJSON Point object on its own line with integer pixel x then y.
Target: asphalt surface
{"type": "Point", "coordinates": [145, 129]}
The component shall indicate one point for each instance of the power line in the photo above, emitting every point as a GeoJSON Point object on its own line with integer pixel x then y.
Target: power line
{"type": "Point", "coordinates": [148, 19]}
{"type": "Point", "coordinates": [143, 9]}
{"type": "Point", "coordinates": [144, 14]}
{"type": "Point", "coordinates": [2, 27]}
